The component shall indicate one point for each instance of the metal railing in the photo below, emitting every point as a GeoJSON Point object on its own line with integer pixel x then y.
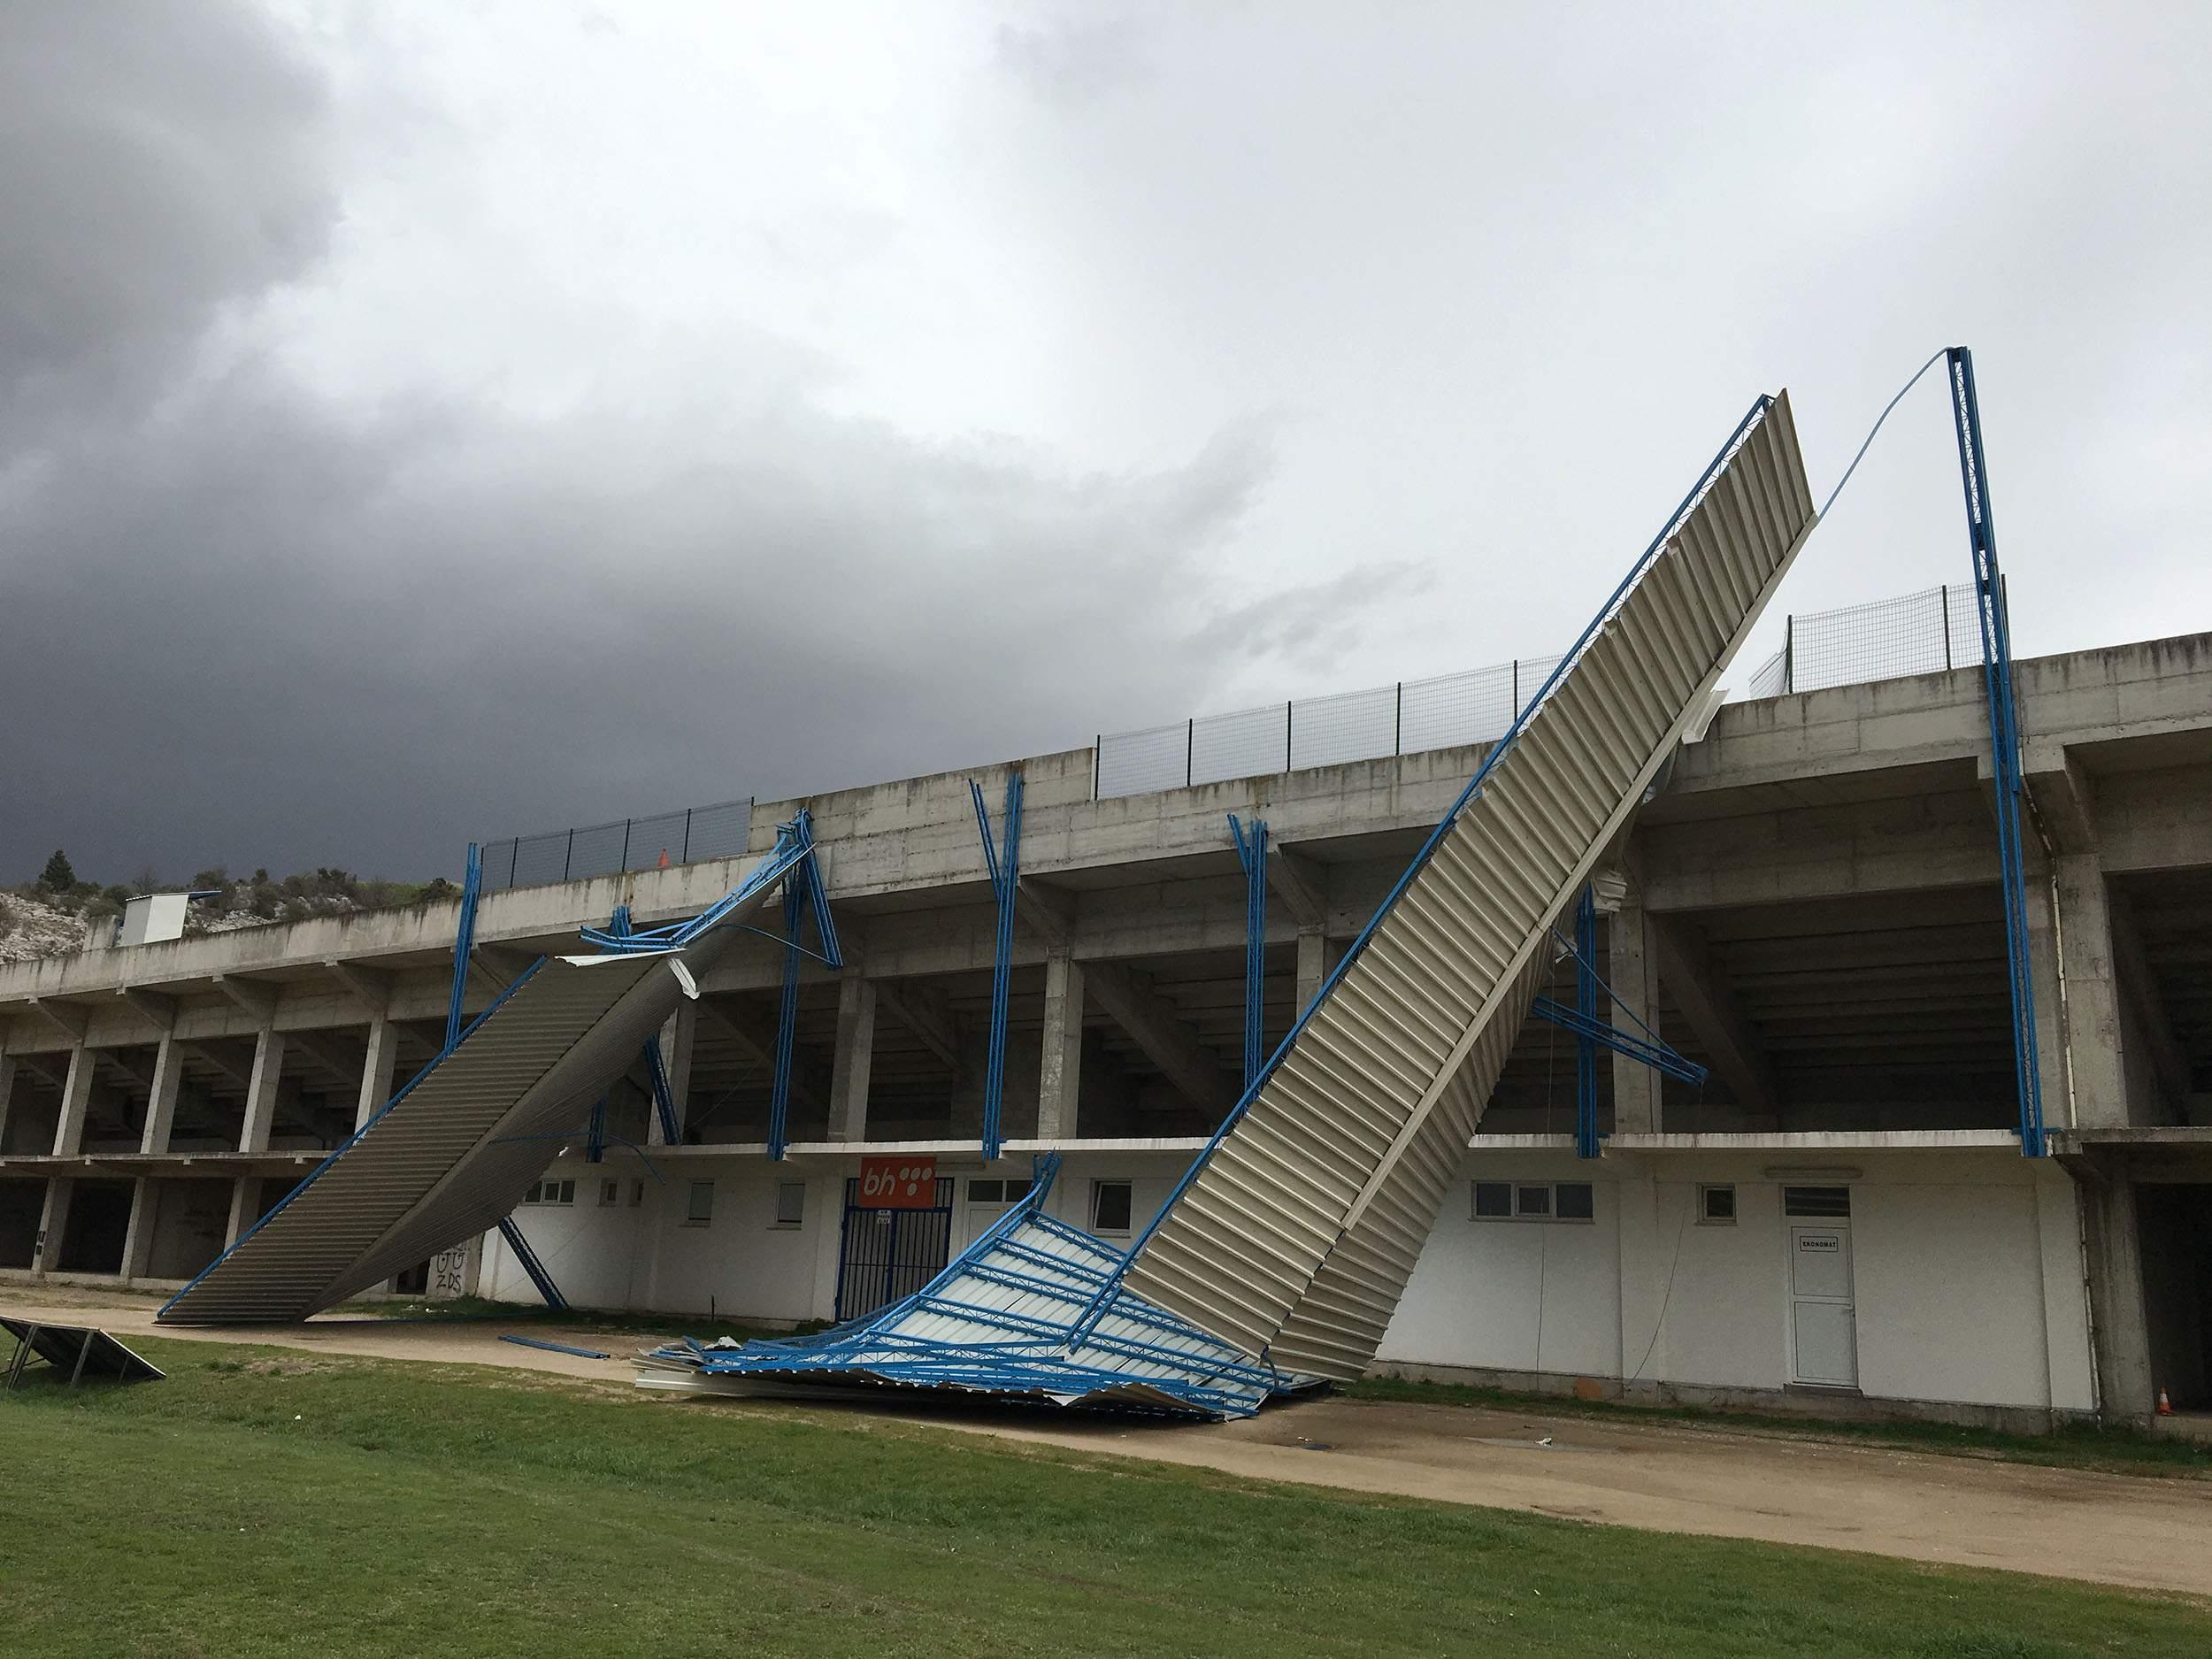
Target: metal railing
{"type": "Point", "coordinates": [1474, 707]}
{"type": "Point", "coordinates": [685, 836]}
{"type": "Point", "coordinates": [1925, 633]}
{"type": "Point", "coordinates": [1915, 633]}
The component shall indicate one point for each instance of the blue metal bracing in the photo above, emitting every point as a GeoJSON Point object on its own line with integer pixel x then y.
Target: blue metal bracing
{"type": "Point", "coordinates": [1585, 1041]}
{"type": "Point", "coordinates": [998, 1320]}
{"type": "Point", "coordinates": [1651, 1052]}
{"type": "Point", "coordinates": [1003, 865]}
{"type": "Point", "coordinates": [2004, 739]}
{"type": "Point", "coordinates": [664, 1096]}
{"type": "Point", "coordinates": [794, 847]}
{"type": "Point", "coordinates": [464, 942]}
{"type": "Point", "coordinates": [527, 1258]}
{"type": "Point", "coordinates": [786, 1024]}
{"type": "Point", "coordinates": [1252, 854]}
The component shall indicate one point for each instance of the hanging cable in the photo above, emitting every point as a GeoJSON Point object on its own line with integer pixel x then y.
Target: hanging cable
{"type": "Point", "coordinates": [1861, 456]}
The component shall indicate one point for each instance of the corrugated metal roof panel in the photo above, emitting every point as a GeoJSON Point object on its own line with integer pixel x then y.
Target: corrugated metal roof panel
{"type": "Point", "coordinates": [1297, 1236]}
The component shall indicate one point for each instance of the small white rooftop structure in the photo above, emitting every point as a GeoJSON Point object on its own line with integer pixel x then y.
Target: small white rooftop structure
{"type": "Point", "coordinates": [153, 916]}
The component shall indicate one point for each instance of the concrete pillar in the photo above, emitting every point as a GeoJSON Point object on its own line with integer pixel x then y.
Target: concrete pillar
{"type": "Point", "coordinates": [2050, 1026]}
{"type": "Point", "coordinates": [376, 1070]}
{"type": "Point", "coordinates": [138, 1243]}
{"type": "Point", "coordinates": [855, 1056]}
{"type": "Point", "coordinates": [53, 1222]}
{"type": "Point", "coordinates": [261, 1091]}
{"type": "Point", "coordinates": [1632, 965]}
{"type": "Point", "coordinates": [1060, 1067]}
{"type": "Point", "coordinates": [245, 1208]}
{"type": "Point", "coordinates": [161, 1101]}
{"type": "Point", "coordinates": [1644, 1261]}
{"type": "Point", "coordinates": [8, 1069]}
{"type": "Point", "coordinates": [2125, 1391]}
{"type": "Point", "coordinates": [76, 1098]}
{"type": "Point", "coordinates": [677, 1037]}
{"type": "Point", "coordinates": [1317, 960]}
{"type": "Point", "coordinates": [2092, 1034]}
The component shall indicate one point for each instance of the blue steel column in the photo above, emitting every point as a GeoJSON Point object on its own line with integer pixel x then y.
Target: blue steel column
{"type": "Point", "coordinates": [1004, 867]}
{"type": "Point", "coordinates": [464, 941]}
{"type": "Point", "coordinates": [788, 1014]}
{"type": "Point", "coordinates": [2004, 739]}
{"type": "Point", "coordinates": [1586, 1006]}
{"type": "Point", "coordinates": [1252, 853]}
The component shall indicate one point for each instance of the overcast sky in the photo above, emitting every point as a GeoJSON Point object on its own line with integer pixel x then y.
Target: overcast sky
{"type": "Point", "coordinates": [420, 423]}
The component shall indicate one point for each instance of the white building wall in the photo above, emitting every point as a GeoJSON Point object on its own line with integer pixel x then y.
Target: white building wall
{"type": "Point", "coordinates": [1967, 1270]}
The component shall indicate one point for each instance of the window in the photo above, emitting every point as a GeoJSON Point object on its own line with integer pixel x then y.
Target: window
{"type": "Point", "coordinates": [983, 1191]}
{"type": "Point", "coordinates": [1109, 1206]}
{"type": "Point", "coordinates": [551, 1193]}
{"type": "Point", "coordinates": [637, 1194]}
{"type": "Point", "coordinates": [700, 1211]}
{"type": "Point", "coordinates": [1717, 1206]}
{"type": "Point", "coordinates": [1818, 1202]}
{"type": "Point", "coordinates": [609, 1191]}
{"type": "Point", "coordinates": [790, 1203]}
{"type": "Point", "coordinates": [1535, 1201]}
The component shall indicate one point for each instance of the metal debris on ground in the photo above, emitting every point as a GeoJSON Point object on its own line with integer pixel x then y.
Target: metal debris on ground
{"type": "Point", "coordinates": [999, 1323]}
{"type": "Point", "coordinates": [84, 1350]}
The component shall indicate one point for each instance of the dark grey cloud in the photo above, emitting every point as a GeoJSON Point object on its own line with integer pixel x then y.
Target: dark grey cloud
{"type": "Point", "coordinates": [251, 624]}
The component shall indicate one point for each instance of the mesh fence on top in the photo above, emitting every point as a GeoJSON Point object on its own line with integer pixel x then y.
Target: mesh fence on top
{"type": "Point", "coordinates": [1925, 633]}
{"type": "Point", "coordinates": [687, 835]}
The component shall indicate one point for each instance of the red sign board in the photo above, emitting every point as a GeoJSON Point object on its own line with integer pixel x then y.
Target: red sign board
{"type": "Point", "coordinates": [898, 1183]}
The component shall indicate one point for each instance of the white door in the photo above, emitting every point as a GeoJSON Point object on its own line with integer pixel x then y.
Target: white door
{"type": "Point", "coordinates": [1823, 1341]}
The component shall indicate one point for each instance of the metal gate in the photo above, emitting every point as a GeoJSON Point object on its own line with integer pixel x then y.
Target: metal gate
{"type": "Point", "coordinates": [888, 1255]}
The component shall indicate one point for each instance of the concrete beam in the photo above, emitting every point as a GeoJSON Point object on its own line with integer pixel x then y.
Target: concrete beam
{"type": "Point", "coordinates": [1632, 970]}
{"type": "Point", "coordinates": [1302, 884]}
{"type": "Point", "coordinates": [2167, 1060]}
{"type": "Point", "coordinates": [676, 1039]}
{"type": "Point", "coordinates": [66, 1018]}
{"type": "Point", "coordinates": [161, 1099]}
{"type": "Point", "coordinates": [1048, 912]}
{"type": "Point", "coordinates": [122, 1059]}
{"type": "Point", "coordinates": [370, 987]}
{"type": "Point", "coordinates": [2061, 791]}
{"type": "Point", "coordinates": [755, 1032]}
{"type": "Point", "coordinates": [923, 1010]}
{"type": "Point", "coordinates": [854, 1059]}
{"type": "Point", "coordinates": [251, 997]}
{"type": "Point", "coordinates": [1157, 1028]}
{"type": "Point", "coordinates": [158, 1010]}
{"type": "Point", "coordinates": [326, 1051]}
{"type": "Point", "coordinates": [1686, 967]}
{"type": "Point", "coordinates": [76, 1098]}
{"type": "Point", "coordinates": [1060, 1071]}
{"type": "Point", "coordinates": [261, 1092]}
{"type": "Point", "coordinates": [210, 1054]}
{"type": "Point", "coordinates": [378, 1065]}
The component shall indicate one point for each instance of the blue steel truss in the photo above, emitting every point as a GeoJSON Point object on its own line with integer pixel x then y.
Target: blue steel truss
{"type": "Point", "coordinates": [1003, 865]}
{"type": "Point", "coordinates": [535, 1269]}
{"type": "Point", "coordinates": [803, 895]}
{"type": "Point", "coordinates": [2004, 739]}
{"type": "Point", "coordinates": [1252, 854]}
{"type": "Point", "coordinates": [1586, 1010]}
{"type": "Point", "coordinates": [664, 1096]}
{"type": "Point", "coordinates": [794, 846]}
{"type": "Point", "coordinates": [1652, 1053]}
{"type": "Point", "coordinates": [464, 942]}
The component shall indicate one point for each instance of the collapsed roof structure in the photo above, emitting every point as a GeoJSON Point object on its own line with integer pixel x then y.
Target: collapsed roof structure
{"type": "Point", "coordinates": [1283, 1252]}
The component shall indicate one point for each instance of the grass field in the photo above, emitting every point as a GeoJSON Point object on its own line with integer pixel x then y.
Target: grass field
{"type": "Point", "coordinates": [262, 1502]}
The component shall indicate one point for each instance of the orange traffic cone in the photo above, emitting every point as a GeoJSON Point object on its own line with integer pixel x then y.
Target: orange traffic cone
{"type": "Point", "coordinates": [2165, 1406]}
{"type": "Point", "coordinates": [663, 864]}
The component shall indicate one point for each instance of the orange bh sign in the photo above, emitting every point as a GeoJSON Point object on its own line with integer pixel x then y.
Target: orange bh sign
{"type": "Point", "coordinates": [898, 1183]}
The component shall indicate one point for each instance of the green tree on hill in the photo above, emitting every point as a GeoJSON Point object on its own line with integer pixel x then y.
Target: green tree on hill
{"type": "Point", "coordinates": [58, 877]}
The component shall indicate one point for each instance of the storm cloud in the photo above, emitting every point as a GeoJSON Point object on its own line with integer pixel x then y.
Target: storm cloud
{"type": "Point", "coordinates": [426, 425]}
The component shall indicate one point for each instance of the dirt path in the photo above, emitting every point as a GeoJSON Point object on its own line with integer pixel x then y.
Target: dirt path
{"type": "Point", "coordinates": [2127, 1530]}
